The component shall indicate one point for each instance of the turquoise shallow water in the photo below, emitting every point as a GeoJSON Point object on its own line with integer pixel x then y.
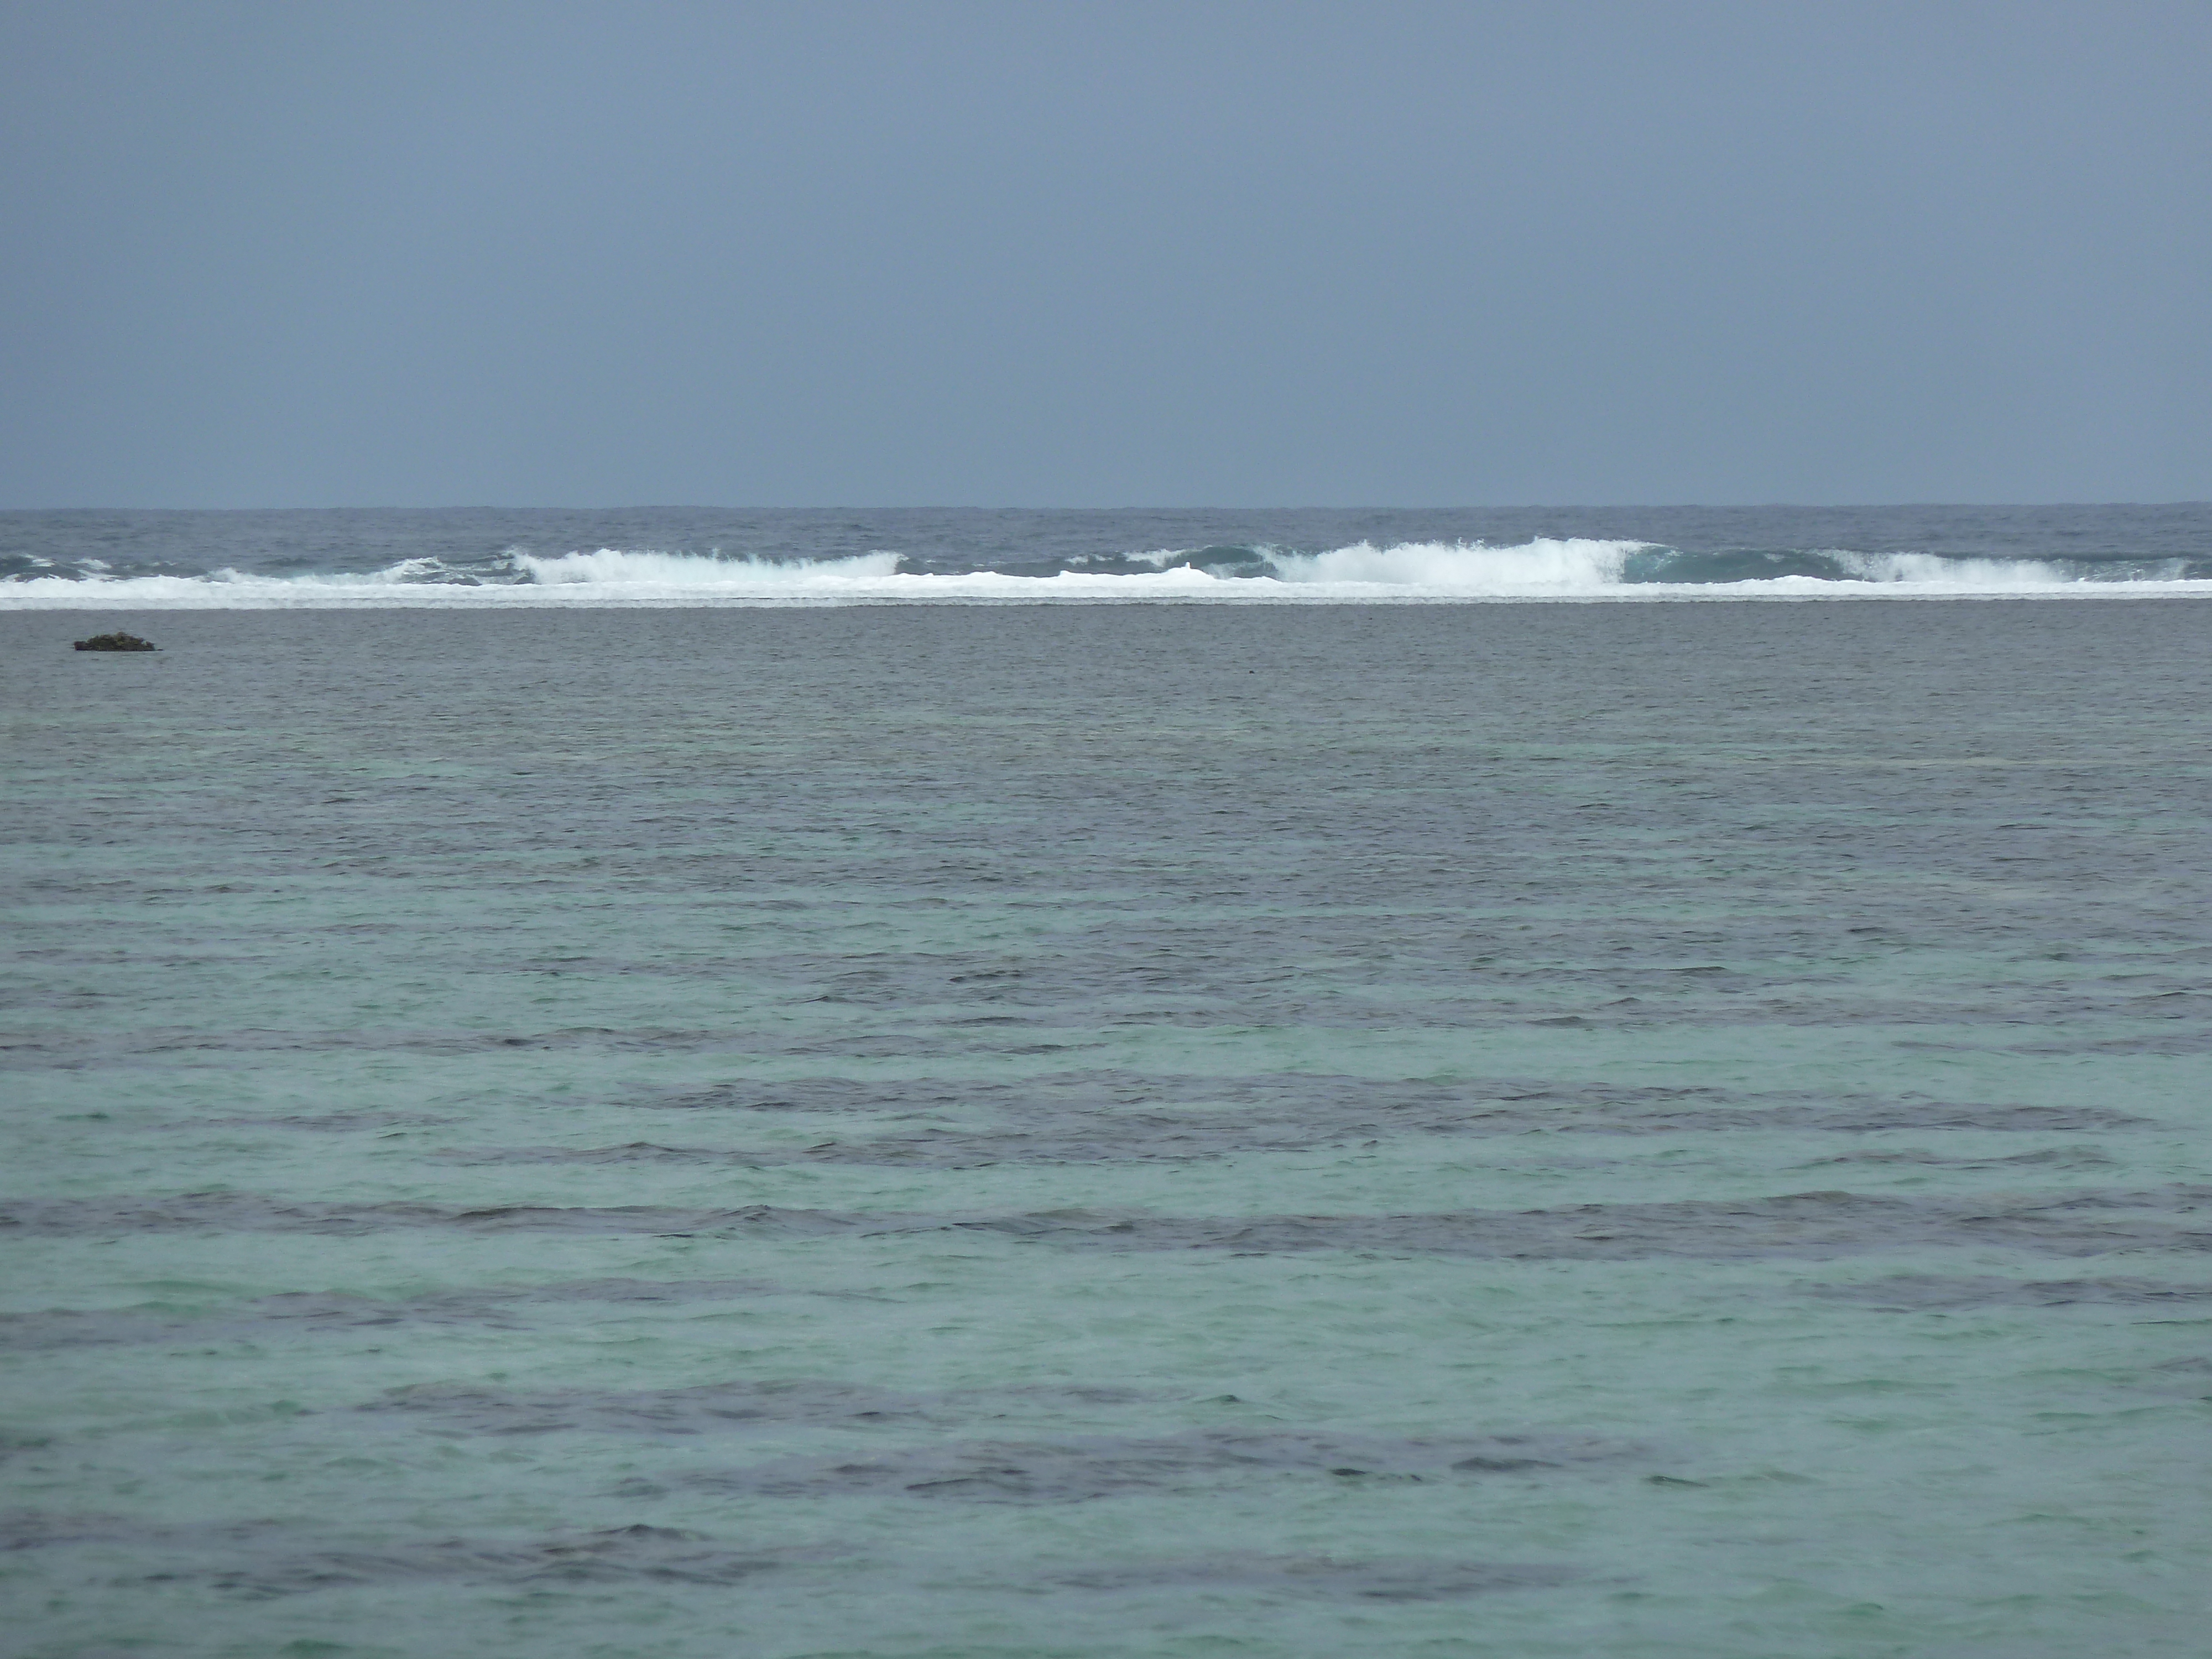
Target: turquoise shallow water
{"type": "Point", "coordinates": [1495, 1130]}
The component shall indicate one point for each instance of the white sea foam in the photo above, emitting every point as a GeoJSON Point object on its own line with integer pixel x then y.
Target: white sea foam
{"type": "Point", "coordinates": [1406, 573]}
{"type": "Point", "coordinates": [1545, 566]}
{"type": "Point", "coordinates": [2002, 575]}
{"type": "Point", "coordinates": [615, 567]}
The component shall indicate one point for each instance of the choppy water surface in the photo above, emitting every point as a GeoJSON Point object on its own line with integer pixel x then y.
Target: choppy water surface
{"type": "Point", "coordinates": [1539, 1130]}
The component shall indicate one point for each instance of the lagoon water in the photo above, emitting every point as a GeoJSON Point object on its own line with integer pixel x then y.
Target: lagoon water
{"type": "Point", "coordinates": [1510, 1129]}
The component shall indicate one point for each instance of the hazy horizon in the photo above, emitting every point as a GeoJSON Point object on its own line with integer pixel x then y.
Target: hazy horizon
{"type": "Point", "coordinates": [1101, 506]}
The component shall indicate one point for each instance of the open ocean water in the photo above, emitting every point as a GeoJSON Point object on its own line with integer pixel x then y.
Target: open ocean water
{"type": "Point", "coordinates": [700, 1109]}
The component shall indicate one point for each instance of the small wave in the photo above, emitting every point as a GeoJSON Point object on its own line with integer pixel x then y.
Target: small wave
{"type": "Point", "coordinates": [615, 566]}
{"type": "Point", "coordinates": [1997, 574]}
{"type": "Point", "coordinates": [1544, 566]}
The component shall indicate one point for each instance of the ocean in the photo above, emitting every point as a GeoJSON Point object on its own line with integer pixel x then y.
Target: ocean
{"type": "Point", "coordinates": [642, 1084]}
{"type": "Point", "coordinates": [691, 557]}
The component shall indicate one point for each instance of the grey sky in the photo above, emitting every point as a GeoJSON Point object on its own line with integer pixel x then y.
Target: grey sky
{"type": "Point", "coordinates": [1051, 254]}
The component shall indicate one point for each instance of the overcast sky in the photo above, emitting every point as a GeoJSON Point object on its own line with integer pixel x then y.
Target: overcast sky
{"type": "Point", "coordinates": [1037, 254]}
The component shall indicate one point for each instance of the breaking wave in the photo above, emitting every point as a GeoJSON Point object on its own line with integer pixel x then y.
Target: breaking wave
{"type": "Point", "coordinates": [1409, 572]}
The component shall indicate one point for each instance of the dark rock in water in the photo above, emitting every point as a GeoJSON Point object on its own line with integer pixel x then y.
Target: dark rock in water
{"type": "Point", "coordinates": [116, 642]}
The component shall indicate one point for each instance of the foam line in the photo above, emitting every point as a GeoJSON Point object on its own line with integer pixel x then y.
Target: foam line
{"type": "Point", "coordinates": [1408, 573]}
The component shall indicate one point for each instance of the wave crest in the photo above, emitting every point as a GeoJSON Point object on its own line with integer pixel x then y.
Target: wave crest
{"type": "Point", "coordinates": [617, 565]}
{"type": "Point", "coordinates": [1572, 565]}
